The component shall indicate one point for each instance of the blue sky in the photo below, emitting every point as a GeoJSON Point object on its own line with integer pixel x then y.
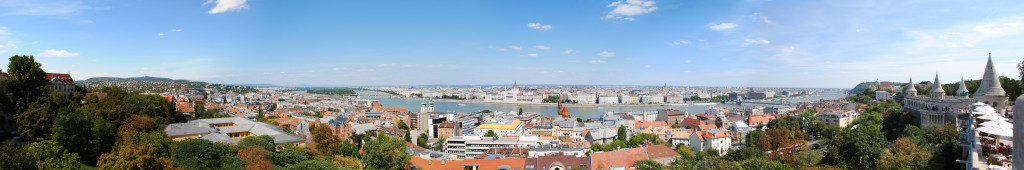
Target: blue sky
{"type": "Point", "coordinates": [640, 42]}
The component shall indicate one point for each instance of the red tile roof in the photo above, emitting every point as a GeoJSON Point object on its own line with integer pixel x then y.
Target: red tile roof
{"type": "Point", "coordinates": [645, 124]}
{"type": "Point", "coordinates": [64, 78]}
{"type": "Point", "coordinates": [660, 151]}
{"type": "Point", "coordinates": [458, 164]}
{"type": "Point", "coordinates": [618, 158]}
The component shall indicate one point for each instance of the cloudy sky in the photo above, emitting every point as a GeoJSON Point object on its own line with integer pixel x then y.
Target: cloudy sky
{"type": "Point", "coordinates": [636, 42]}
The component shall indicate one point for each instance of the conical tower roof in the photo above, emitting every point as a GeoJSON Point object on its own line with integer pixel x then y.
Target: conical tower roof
{"type": "Point", "coordinates": [910, 87]}
{"type": "Point", "coordinates": [990, 85]}
{"type": "Point", "coordinates": [962, 91]}
{"type": "Point", "coordinates": [937, 85]}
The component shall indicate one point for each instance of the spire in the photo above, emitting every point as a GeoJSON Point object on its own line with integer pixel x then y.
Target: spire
{"type": "Point", "coordinates": [911, 90]}
{"type": "Point", "coordinates": [515, 85]}
{"type": "Point", "coordinates": [962, 91]}
{"type": "Point", "coordinates": [937, 90]}
{"type": "Point", "coordinates": [990, 85]}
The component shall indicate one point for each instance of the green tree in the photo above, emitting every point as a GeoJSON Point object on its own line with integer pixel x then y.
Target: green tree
{"type": "Point", "coordinates": [325, 142]}
{"type": "Point", "coordinates": [51, 155]}
{"type": "Point", "coordinates": [744, 153]}
{"type": "Point", "coordinates": [711, 163]}
{"type": "Point", "coordinates": [27, 81]}
{"type": "Point", "coordinates": [402, 125]}
{"type": "Point", "coordinates": [35, 122]}
{"type": "Point", "coordinates": [197, 154]}
{"type": "Point", "coordinates": [648, 164]}
{"type": "Point", "coordinates": [520, 111]}
{"type": "Point", "coordinates": [133, 156]}
{"type": "Point", "coordinates": [287, 156]}
{"type": "Point", "coordinates": [905, 154]}
{"type": "Point", "coordinates": [439, 146]}
{"type": "Point", "coordinates": [490, 133]}
{"type": "Point", "coordinates": [682, 163]}
{"type": "Point", "coordinates": [422, 140]}
{"type": "Point", "coordinates": [763, 164]}
{"type": "Point", "coordinates": [72, 130]}
{"type": "Point", "coordinates": [16, 156]}
{"type": "Point", "coordinates": [255, 157]}
{"type": "Point", "coordinates": [385, 153]}
{"type": "Point", "coordinates": [622, 133]}
{"type": "Point", "coordinates": [347, 162]}
{"type": "Point", "coordinates": [318, 163]}
{"type": "Point", "coordinates": [263, 141]}
{"type": "Point", "coordinates": [350, 150]}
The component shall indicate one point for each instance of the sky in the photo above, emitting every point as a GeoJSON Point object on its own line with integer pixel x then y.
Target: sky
{"type": "Point", "coordinates": [780, 43]}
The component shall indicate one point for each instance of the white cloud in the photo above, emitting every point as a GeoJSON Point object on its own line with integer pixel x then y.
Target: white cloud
{"type": "Point", "coordinates": [541, 47]}
{"type": "Point", "coordinates": [722, 26]}
{"type": "Point", "coordinates": [532, 55]}
{"type": "Point", "coordinates": [763, 18]}
{"type": "Point", "coordinates": [629, 9]}
{"type": "Point", "coordinates": [515, 47]}
{"type": "Point", "coordinates": [756, 42]}
{"type": "Point", "coordinates": [45, 7]}
{"type": "Point", "coordinates": [996, 28]}
{"type": "Point", "coordinates": [176, 30]}
{"type": "Point", "coordinates": [689, 61]}
{"type": "Point", "coordinates": [57, 53]}
{"type": "Point", "coordinates": [6, 43]}
{"type": "Point", "coordinates": [789, 49]}
{"type": "Point", "coordinates": [680, 42]}
{"type": "Point", "coordinates": [227, 5]}
{"type": "Point", "coordinates": [365, 70]}
{"type": "Point", "coordinates": [538, 26]}
{"type": "Point", "coordinates": [161, 34]}
{"type": "Point", "coordinates": [628, 58]}
{"type": "Point", "coordinates": [606, 54]}
{"type": "Point", "coordinates": [340, 68]}
{"type": "Point", "coordinates": [569, 52]}
{"type": "Point", "coordinates": [385, 65]}
{"type": "Point", "coordinates": [597, 61]}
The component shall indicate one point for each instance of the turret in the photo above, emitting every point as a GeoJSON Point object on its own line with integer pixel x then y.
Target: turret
{"type": "Point", "coordinates": [962, 91]}
{"type": "Point", "coordinates": [937, 91]}
{"type": "Point", "coordinates": [911, 90]}
{"type": "Point", "coordinates": [990, 85]}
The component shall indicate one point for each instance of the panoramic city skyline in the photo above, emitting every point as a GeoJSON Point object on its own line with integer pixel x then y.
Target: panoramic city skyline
{"type": "Point", "coordinates": [829, 44]}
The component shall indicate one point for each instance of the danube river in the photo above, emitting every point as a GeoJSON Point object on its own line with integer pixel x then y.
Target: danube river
{"type": "Point", "coordinates": [582, 111]}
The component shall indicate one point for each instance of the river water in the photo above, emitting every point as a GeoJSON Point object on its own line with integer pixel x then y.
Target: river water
{"type": "Point", "coordinates": [582, 111]}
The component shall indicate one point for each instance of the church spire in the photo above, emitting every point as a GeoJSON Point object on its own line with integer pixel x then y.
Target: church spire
{"type": "Point", "coordinates": [990, 85]}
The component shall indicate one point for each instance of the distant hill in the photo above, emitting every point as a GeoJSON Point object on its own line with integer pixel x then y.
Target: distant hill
{"type": "Point", "coordinates": [145, 78]}
{"type": "Point", "coordinates": [862, 86]}
{"type": "Point", "coordinates": [255, 85]}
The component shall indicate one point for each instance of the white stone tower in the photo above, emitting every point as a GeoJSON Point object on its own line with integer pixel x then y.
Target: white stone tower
{"type": "Point", "coordinates": [962, 91]}
{"type": "Point", "coordinates": [937, 91]}
{"type": "Point", "coordinates": [991, 90]}
{"type": "Point", "coordinates": [911, 90]}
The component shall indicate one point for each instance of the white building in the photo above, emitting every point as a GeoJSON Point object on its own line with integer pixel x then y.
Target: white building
{"type": "Point", "coordinates": [882, 95]}
{"type": "Point", "coordinates": [502, 127]}
{"type": "Point", "coordinates": [472, 146]}
{"type": "Point", "coordinates": [608, 100]}
{"type": "Point", "coordinates": [703, 140]}
{"type": "Point", "coordinates": [652, 99]}
{"type": "Point", "coordinates": [586, 98]}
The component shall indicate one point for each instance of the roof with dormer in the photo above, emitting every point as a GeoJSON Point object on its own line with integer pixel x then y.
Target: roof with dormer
{"type": "Point", "coordinates": [63, 78]}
